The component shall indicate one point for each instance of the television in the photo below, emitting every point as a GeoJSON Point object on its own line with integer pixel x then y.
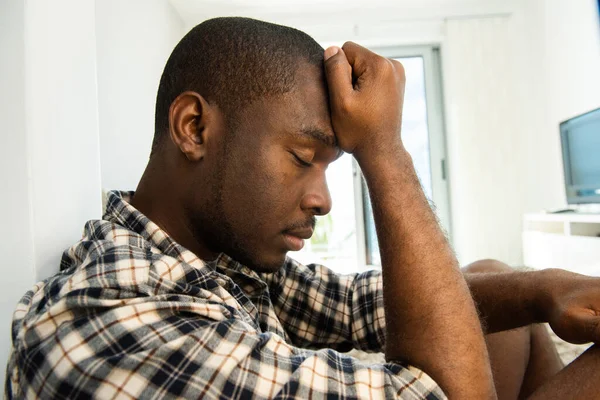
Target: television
{"type": "Point", "coordinates": [580, 142]}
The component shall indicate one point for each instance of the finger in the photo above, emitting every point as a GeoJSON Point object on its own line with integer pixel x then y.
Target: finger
{"type": "Point", "coordinates": [339, 76]}
{"type": "Point", "coordinates": [399, 68]}
{"type": "Point", "coordinates": [360, 58]}
{"type": "Point", "coordinates": [593, 329]}
{"type": "Point", "coordinates": [583, 327]}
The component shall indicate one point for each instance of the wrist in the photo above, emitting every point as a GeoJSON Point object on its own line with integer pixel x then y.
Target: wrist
{"type": "Point", "coordinates": [546, 287]}
{"type": "Point", "coordinates": [373, 157]}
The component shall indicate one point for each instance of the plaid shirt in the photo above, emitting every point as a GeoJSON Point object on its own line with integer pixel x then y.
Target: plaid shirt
{"type": "Point", "coordinates": [133, 314]}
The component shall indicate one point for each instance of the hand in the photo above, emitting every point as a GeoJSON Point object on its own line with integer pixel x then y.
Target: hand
{"type": "Point", "coordinates": [366, 96]}
{"type": "Point", "coordinates": [574, 312]}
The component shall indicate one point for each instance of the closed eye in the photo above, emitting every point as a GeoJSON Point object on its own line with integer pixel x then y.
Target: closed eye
{"type": "Point", "coordinates": [300, 161]}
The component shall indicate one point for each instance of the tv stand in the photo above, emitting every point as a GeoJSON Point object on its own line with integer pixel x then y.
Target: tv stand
{"type": "Point", "coordinates": [569, 240]}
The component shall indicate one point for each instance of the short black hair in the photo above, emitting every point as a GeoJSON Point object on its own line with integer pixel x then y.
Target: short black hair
{"type": "Point", "coordinates": [232, 61]}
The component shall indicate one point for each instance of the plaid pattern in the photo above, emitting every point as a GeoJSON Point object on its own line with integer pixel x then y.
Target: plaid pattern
{"type": "Point", "coordinates": [134, 315]}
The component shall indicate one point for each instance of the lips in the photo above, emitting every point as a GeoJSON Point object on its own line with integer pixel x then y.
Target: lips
{"type": "Point", "coordinates": [294, 238]}
{"type": "Point", "coordinates": [304, 233]}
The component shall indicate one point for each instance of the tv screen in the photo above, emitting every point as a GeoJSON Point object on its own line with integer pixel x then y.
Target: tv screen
{"type": "Point", "coordinates": [580, 139]}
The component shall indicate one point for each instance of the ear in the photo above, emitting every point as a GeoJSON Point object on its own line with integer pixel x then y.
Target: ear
{"type": "Point", "coordinates": [189, 118]}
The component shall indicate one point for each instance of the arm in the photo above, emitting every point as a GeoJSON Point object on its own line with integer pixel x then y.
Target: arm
{"type": "Point", "coordinates": [506, 300]}
{"type": "Point", "coordinates": [431, 320]}
{"type": "Point", "coordinates": [320, 308]}
{"type": "Point", "coordinates": [569, 302]}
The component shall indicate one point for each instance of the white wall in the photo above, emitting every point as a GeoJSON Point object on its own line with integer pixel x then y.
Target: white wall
{"type": "Point", "coordinates": [49, 104]}
{"type": "Point", "coordinates": [134, 40]}
{"type": "Point", "coordinates": [484, 134]}
{"type": "Point", "coordinates": [508, 83]}
{"type": "Point", "coordinates": [49, 145]}
{"type": "Point", "coordinates": [571, 73]}
{"type": "Point", "coordinates": [62, 125]}
{"type": "Point", "coordinates": [16, 240]}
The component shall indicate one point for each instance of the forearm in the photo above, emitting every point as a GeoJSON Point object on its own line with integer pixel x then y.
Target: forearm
{"type": "Point", "coordinates": [431, 321]}
{"type": "Point", "coordinates": [507, 300]}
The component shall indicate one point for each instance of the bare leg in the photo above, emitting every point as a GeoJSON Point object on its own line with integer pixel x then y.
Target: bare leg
{"type": "Point", "coordinates": [579, 380]}
{"type": "Point", "coordinates": [522, 359]}
{"type": "Point", "coordinates": [544, 361]}
{"type": "Point", "coordinates": [509, 357]}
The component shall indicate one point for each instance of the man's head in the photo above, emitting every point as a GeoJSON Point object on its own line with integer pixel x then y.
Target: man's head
{"type": "Point", "coordinates": [244, 131]}
{"type": "Point", "coordinates": [232, 62]}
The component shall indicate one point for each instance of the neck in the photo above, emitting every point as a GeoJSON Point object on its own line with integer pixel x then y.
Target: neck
{"type": "Point", "coordinates": [160, 199]}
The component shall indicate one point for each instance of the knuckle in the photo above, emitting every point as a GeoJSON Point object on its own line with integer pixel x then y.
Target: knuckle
{"type": "Point", "coordinates": [383, 64]}
{"type": "Point", "coordinates": [332, 64]}
{"type": "Point", "coordinates": [595, 328]}
{"type": "Point", "coordinates": [345, 105]}
{"type": "Point", "coordinates": [336, 66]}
{"type": "Point", "coordinates": [399, 68]}
{"type": "Point", "coordinates": [487, 265]}
{"type": "Point", "coordinates": [350, 46]}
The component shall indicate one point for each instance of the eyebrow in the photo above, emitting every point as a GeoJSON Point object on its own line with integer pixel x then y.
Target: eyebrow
{"type": "Point", "coordinates": [320, 136]}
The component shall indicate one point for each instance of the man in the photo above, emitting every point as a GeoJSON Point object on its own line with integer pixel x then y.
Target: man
{"type": "Point", "coordinates": [183, 290]}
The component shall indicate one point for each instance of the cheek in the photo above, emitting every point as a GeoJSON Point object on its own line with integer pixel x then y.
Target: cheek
{"type": "Point", "coordinates": [253, 188]}
{"type": "Point", "coordinates": [267, 190]}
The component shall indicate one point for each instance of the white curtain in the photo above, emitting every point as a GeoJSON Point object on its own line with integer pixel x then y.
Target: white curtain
{"type": "Point", "coordinates": [485, 137]}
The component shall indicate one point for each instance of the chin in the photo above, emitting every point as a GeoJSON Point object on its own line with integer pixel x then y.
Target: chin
{"type": "Point", "coordinates": [267, 268]}
{"type": "Point", "coordinates": [266, 265]}
{"type": "Point", "coordinates": [264, 261]}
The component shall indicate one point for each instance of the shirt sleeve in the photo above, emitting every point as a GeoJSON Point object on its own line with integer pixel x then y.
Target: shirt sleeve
{"type": "Point", "coordinates": [320, 308]}
{"type": "Point", "coordinates": [167, 349]}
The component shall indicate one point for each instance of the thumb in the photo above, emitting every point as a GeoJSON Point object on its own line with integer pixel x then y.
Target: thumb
{"type": "Point", "coordinates": [339, 76]}
{"type": "Point", "coordinates": [591, 328]}
{"type": "Point", "coordinates": [582, 325]}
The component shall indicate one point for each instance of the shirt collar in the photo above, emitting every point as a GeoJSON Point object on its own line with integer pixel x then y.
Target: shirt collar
{"type": "Point", "coordinates": [119, 210]}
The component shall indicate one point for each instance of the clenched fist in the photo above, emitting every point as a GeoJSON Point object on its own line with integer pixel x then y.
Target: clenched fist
{"type": "Point", "coordinates": [573, 306]}
{"type": "Point", "coordinates": [366, 97]}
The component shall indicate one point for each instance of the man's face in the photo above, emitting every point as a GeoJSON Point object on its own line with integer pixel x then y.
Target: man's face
{"type": "Point", "coordinates": [270, 182]}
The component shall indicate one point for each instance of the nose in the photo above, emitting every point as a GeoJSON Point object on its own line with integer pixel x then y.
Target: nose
{"type": "Point", "coordinates": [317, 199]}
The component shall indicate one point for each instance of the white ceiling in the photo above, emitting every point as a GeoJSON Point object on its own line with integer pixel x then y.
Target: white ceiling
{"type": "Point", "coordinates": [301, 12]}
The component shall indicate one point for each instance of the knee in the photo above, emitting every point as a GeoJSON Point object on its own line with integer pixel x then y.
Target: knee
{"type": "Point", "coordinates": [483, 266]}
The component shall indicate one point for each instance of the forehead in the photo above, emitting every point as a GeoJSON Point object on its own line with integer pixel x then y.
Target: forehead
{"type": "Point", "coordinates": [310, 98]}
{"type": "Point", "coordinates": [304, 109]}
{"type": "Point", "coordinates": [310, 94]}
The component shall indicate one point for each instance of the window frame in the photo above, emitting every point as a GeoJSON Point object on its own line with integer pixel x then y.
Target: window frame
{"type": "Point", "coordinates": [438, 158]}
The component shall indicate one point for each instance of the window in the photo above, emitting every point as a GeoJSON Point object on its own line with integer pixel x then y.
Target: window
{"type": "Point", "coordinates": [334, 242]}
{"type": "Point", "coordinates": [345, 240]}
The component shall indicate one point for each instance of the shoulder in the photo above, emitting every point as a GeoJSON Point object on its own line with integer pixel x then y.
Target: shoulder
{"type": "Point", "coordinates": [108, 267]}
